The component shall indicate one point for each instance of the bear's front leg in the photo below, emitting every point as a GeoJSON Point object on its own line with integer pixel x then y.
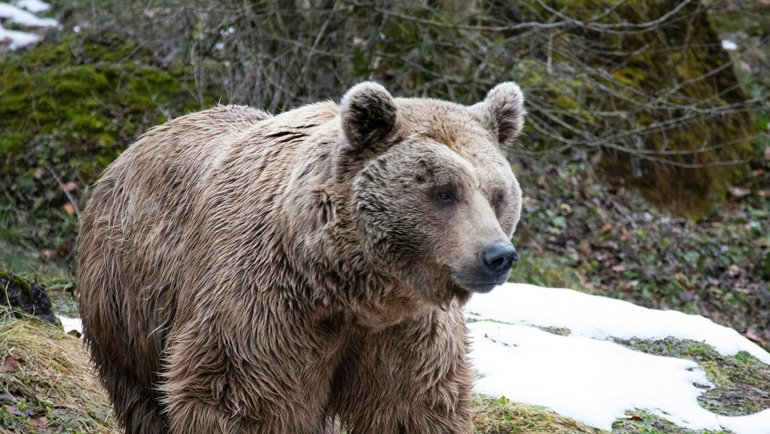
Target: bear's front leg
{"type": "Point", "coordinates": [412, 378]}
{"type": "Point", "coordinates": [270, 380]}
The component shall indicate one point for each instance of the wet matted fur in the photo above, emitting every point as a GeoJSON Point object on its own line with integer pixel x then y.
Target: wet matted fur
{"type": "Point", "coordinates": [246, 273]}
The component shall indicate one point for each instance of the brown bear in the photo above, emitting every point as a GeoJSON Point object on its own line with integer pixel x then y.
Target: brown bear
{"type": "Point", "coordinates": [246, 273]}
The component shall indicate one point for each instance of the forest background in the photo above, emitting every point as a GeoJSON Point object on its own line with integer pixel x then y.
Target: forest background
{"type": "Point", "coordinates": [645, 162]}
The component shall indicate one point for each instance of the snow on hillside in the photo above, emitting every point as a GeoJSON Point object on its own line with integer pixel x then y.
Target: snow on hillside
{"type": "Point", "coordinates": [22, 13]}
{"type": "Point", "coordinates": [584, 375]}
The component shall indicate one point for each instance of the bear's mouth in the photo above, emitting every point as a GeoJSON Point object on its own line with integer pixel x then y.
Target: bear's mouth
{"type": "Point", "coordinates": [478, 286]}
{"type": "Point", "coordinates": [481, 288]}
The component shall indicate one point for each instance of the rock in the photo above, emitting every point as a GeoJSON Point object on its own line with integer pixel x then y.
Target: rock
{"type": "Point", "coordinates": [22, 295]}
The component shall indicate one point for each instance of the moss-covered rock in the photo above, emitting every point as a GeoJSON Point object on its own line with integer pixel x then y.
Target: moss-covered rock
{"type": "Point", "coordinates": [674, 120]}
{"type": "Point", "coordinates": [70, 106]}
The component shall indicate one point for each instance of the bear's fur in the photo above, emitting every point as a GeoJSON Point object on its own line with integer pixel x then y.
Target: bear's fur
{"type": "Point", "coordinates": [246, 273]}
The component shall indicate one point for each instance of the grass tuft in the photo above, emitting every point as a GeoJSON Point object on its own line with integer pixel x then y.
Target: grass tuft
{"type": "Point", "coordinates": [47, 382]}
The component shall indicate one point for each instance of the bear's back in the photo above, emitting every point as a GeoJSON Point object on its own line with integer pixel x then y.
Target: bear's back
{"type": "Point", "coordinates": [133, 231]}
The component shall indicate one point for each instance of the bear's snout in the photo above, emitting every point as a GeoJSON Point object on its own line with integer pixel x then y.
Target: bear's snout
{"type": "Point", "coordinates": [497, 258]}
{"type": "Point", "coordinates": [491, 267]}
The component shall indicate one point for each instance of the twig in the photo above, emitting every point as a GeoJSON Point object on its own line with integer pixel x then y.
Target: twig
{"type": "Point", "coordinates": [64, 190]}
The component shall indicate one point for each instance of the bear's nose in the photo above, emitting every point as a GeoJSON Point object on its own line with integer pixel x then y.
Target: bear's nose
{"type": "Point", "coordinates": [498, 257]}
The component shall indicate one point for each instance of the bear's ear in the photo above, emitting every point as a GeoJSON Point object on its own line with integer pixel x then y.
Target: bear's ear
{"type": "Point", "coordinates": [368, 114]}
{"type": "Point", "coordinates": [502, 112]}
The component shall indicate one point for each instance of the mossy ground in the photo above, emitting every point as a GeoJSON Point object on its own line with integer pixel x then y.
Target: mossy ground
{"type": "Point", "coordinates": [501, 416]}
{"type": "Point", "coordinates": [642, 422]}
{"type": "Point", "coordinates": [69, 107]}
{"type": "Point", "coordinates": [742, 383]}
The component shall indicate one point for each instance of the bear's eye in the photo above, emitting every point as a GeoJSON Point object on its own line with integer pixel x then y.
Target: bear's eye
{"type": "Point", "coordinates": [445, 195]}
{"type": "Point", "coordinates": [499, 201]}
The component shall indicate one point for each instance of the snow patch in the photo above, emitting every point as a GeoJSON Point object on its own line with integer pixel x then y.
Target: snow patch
{"type": "Point", "coordinates": [34, 6]}
{"type": "Point", "coordinates": [17, 39]}
{"type": "Point", "coordinates": [592, 316]}
{"type": "Point", "coordinates": [70, 324]}
{"type": "Point", "coordinates": [586, 377]}
{"type": "Point", "coordinates": [20, 16]}
{"type": "Point", "coordinates": [729, 45]}
{"type": "Point", "coordinates": [15, 13]}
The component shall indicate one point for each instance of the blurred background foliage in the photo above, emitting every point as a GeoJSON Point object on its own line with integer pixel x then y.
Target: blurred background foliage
{"type": "Point", "coordinates": [644, 161]}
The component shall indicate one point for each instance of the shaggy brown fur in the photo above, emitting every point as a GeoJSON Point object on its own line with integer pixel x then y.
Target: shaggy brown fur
{"type": "Point", "coordinates": [243, 273]}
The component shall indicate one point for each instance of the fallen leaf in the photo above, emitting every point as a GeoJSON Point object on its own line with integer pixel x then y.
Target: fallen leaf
{"type": "Point", "coordinates": [619, 268]}
{"type": "Point", "coordinates": [681, 278]}
{"type": "Point", "coordinates": [733, 270]}
{"type": "Point", "coordinates": [750, 335]}
{"type": "Point", "coordinates": [624, 234]}
{"type": "Point", "coordinates": [628, 287]}
{"type": "Point", "coordinates": [63, 250]}
{"type": "Point", "coordinates": [635, 417]}
{"type": "Point", "coordinates": [68, 208]}
{"type": "Point", "coordinates": [606, 228]}
{"type": "Point", "coordinates": [39, 421]}
{"type": "Point", "coordinates": [70, 186]}
{"type": "Point", "coordinates": [584, 248]}
{"type": "Point", "coordinates": [10, 364]}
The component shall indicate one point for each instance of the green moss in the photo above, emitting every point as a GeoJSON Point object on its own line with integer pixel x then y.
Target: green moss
{"type": "Point", "coordinates": [501, 416]}
{"type": "Point", "coordinates": [747, 16]}
{"type": "Point", "coordinates": [642, 422]}
{"type": "Point", "coordinates": [629, 76]}
{"type": "Point", "coordinates": [15, 280]}
{"type": "Point", "coordinates": [70, 107]}
{"type": "Point", "coordinates": [742, 382]}
{"type": "Point", "coordinates": [547, 269]}
{"type": "Point", "coordinates": [561, 331]}
{"type": "Point", "coordinates": [658, 93]}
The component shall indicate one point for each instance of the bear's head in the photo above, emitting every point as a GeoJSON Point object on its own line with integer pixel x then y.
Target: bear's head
{"type": "Point", "coordinates": [435, 198]}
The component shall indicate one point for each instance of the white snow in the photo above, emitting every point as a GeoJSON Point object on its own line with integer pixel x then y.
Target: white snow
{"type": "Point", "coordinates": [34, 6]}
{"type": "Point", "coordinates": [17, 39]}
{"type": "Point", "coordinates": [601, 317]}
{"type": "Point", "coordinates": [69, 324]}
{"type": "Point", "coordinates": [24, 18]}
{"type": "Point", "coordinates": [585, 376]}
{"type": "Point", "coordinates": [15, 14]}
{"type": "Point", "coordinates": [729, 45]}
